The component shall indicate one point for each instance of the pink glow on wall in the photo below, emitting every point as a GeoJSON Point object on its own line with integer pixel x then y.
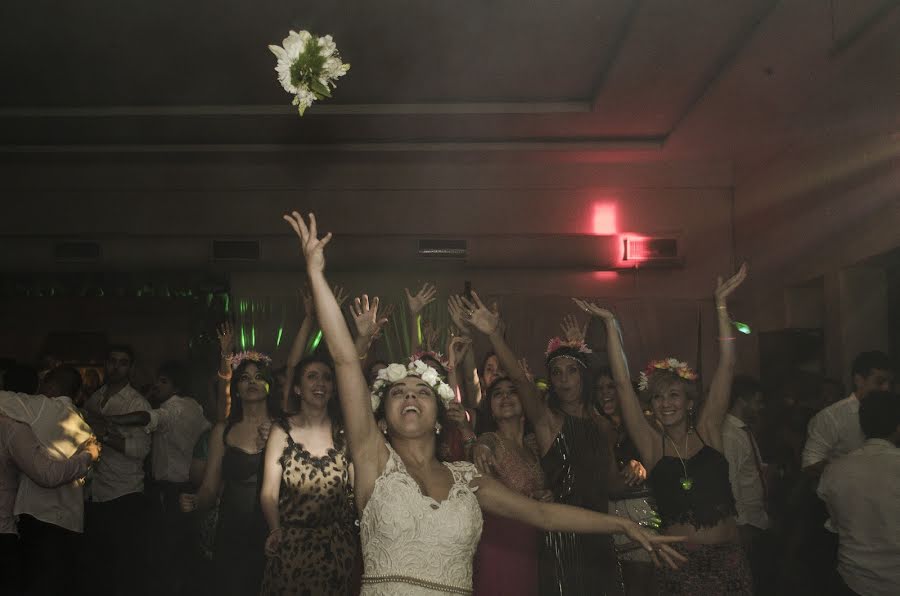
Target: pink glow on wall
{"type": "Point", "coordinates": [604, 219]}
{"type": "Point", "coordinates": [604, 275]}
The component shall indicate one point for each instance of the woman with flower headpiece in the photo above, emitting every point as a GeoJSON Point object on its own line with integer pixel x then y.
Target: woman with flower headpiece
{"type": "Point", "coordinates": [576, 448]}
{"type": "Point", "coordinates": [420, 518]}
{"type": "Point", "coordinates": [687, 470]}
{"type": "Point", "coordinates": [235, 469]}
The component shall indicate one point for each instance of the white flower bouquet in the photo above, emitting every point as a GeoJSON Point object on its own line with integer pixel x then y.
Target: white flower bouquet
{"type": "Point", "coordinates": [308, 67]}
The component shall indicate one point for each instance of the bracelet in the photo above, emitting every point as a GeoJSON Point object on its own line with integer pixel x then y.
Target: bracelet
{"type": "Point", "coordinates": [726, 338]}
{"type": "Point", "coordinates": [226, 355]}
{"type": "Point", "coordinates": [223, 377]}
{"type": "Point", "coordinates": [278, 529]}
{"type": "Point", "coordinates": [722, 307]}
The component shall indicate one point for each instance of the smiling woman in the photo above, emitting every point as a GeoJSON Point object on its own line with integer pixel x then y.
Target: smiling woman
{"type": "Point", "coordinates": [421, 518]}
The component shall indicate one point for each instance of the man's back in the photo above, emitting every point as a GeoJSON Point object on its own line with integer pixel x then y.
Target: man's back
{"type": "Point", "coordinates": [862, 491]}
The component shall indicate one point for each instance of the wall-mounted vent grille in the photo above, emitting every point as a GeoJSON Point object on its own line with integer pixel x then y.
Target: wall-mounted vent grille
{"type": "Point", "coordinates": [235, 250]}
{"type": "Point", "coordinates": [650, 249]}
{"type": "Point", "coordinates": [443, 249]}
{"type": "Point", "coordinates": [76, 252]}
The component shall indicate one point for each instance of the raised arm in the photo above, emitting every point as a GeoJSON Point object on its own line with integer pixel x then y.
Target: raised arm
{"type": "Point", "coordinates": [713, 412]}
{"type": "Point", "coordinates": [367, 448]}
{"type": "Point", "coordinates": [298, 347]}
{"type": "Point", "coordinates": [470, 386]}
{"type": "Point", "coordinates": [536, 410]}
{"type": "Point", "coordinates": [225, 333]}
{"type": "Point", "coordinates": [416, 304]}
{"type": "Point", "coordinates": [645, 438]}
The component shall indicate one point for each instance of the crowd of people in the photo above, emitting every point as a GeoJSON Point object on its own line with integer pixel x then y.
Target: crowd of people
{"type": "Point", "coordinates": [342, 474]}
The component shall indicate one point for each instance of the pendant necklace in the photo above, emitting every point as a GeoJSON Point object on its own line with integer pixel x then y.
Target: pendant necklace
{"type": "Point", "coordinates": [687, 483]}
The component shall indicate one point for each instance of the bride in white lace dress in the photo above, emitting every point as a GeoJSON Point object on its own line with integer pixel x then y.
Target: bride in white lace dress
{"type": "Point", "coordinates": [420, 518]}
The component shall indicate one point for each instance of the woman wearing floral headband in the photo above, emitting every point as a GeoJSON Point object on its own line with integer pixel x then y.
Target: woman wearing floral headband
{"type": "Point", "coordinates": [420, 518]}
{"type": "Point", "coordinates": [576, 448]}
{"type": "Point", "coordinates": [688, 472]}
{"type": "Point", "coordinates": [234, 468]}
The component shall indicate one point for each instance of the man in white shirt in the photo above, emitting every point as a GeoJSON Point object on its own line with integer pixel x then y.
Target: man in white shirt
{"type": "Point", "coordinates": [746, 473]}
{"type": "Point", "coordinates": [116, 515]}
{"type": "Point", "coordinates": [862, 492]}
{"type": "Point", "coordinates": [50, 520]}
{"type": "Point", "coordinates": [176, 424]}
{"type": "Point", "coordinates": [835, 431]}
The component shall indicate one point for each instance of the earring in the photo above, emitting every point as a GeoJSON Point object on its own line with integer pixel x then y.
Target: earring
{"type": "Point", "coordinates": [437, 428]}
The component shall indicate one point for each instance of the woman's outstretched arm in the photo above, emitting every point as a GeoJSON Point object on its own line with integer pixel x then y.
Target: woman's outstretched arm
{"type": "Point", "coordinates": [496, 498]}
{"type": "Point", "coordinates": [367, 448]}
{"type": "Point", "coordinates": [713, 412]}
{"type": "Point", "coordinates": [645, 438]}
{"type": "Point", "coordinates": [295, 355]}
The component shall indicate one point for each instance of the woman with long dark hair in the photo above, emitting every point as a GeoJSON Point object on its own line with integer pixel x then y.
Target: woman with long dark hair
{"type": "Point", "coordinates": [683, 453]}
{"type": "Point", "coordinates": [306, 494]}
{"type": "Point", "coordinates": [235, 467]}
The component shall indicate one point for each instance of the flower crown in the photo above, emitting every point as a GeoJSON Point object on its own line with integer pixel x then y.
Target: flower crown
{"type": "Point", "coordinates": [250, 356]}
{"type": "Point", "coordinates": [672, 365]}
{"type": "Point", "coordinates": [436, 356]}
{"type": "Point", "coordinates": [574, 349]}
{"type": "Point", "coordinates": [396, 372]}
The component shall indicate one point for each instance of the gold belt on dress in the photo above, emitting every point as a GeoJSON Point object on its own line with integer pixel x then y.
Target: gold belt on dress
{"type": "Point", "coordinates": [422, 583]}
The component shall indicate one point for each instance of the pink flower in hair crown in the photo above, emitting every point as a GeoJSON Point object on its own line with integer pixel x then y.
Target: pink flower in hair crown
{"type": "Point", "coordinates": [557, 343]}
{"type": "Point", "coordinates": [672, 365]}
{"type": "Point", "coordinates": [436, 356]}
{"type": "Point", "coordinates": [251, 356]}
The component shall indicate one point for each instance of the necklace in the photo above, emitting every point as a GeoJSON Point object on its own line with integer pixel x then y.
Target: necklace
{"type": "Point", "coordinates": [687, 483]}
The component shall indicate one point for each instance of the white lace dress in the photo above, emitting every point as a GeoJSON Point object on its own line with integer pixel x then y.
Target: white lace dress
{"type": "Point", "coordinates": [414, 545]}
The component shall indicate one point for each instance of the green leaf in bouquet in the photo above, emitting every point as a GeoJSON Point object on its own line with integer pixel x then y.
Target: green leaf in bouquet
{"type": "Point", "coordinates": [319, 89]}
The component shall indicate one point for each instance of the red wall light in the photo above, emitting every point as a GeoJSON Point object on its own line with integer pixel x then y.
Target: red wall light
{"type": "Point", "coordinates": [604, 219]}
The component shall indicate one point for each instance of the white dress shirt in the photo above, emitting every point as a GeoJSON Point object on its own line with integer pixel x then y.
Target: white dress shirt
{"type": "Point", "coordinates": [862, 491]}
{"type": "Point", "coordinates": [60, 429]}
{"type": "Point", "coordinates": [176, 425]}
{"type": "Point", "coordinates": [118, 474]}
{"type": "Point", "coordinates": [833, 432]}
{"type": "Point", "coordinates": [744, 472]}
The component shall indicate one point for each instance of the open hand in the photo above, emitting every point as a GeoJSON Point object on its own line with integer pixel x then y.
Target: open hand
{"type": "Point", "coordinates": [340, 294]}
{"type": "Point", "coordinates": [312, 247]}
{"type": "Point", "coordinates": [457, 348]}
{"type": "Point", "coordinates": [423, 298]}
{"type": "Point", "coordinates": [594, 310]}
{"type": "Point", "coordinates": [657, 545]}
{"type": "Point", "coordinates": [571, 330]}
{"type": "Point", "coordinates": [457, 311]}
{"type": "Point", "coordinates": [479, 316]}
{"type": "Point", "coordinates": [365, 316]}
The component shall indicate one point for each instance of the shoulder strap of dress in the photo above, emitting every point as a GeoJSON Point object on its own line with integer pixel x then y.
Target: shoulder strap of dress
{"type": "Point", "coordinates": [463, 472]}
{"type": "Point", "coordinates": [285, 425]}
{"type": "Point", "coordinates": [700, 437]}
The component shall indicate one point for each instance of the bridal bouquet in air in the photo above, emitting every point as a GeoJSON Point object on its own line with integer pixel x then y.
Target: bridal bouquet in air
{"type": "Point", "coordinates": [308, 67]}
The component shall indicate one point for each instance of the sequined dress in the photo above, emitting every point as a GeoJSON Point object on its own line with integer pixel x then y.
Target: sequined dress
{"type": "Point", "coordinates": [576, 469]}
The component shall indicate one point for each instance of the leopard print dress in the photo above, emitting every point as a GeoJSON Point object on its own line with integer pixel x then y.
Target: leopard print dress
{"type": "Point", "coordinates": [318, 554]}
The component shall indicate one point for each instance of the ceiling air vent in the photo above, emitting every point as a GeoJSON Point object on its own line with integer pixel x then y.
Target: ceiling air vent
{"type": "Point", "coordinates": [642, 250]}
{"type": "Point", "coordinates": [235, 250]}
{"type": "Point", "coordinates": [443, 249]}
{"type": "Point", "coordinates": [76, 252]}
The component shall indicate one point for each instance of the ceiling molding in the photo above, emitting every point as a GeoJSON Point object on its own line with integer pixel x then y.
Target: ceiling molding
{"type": "Point", "coordinates": [400, 109]}
{"type": "Point", "coordinates": [594, 144]}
